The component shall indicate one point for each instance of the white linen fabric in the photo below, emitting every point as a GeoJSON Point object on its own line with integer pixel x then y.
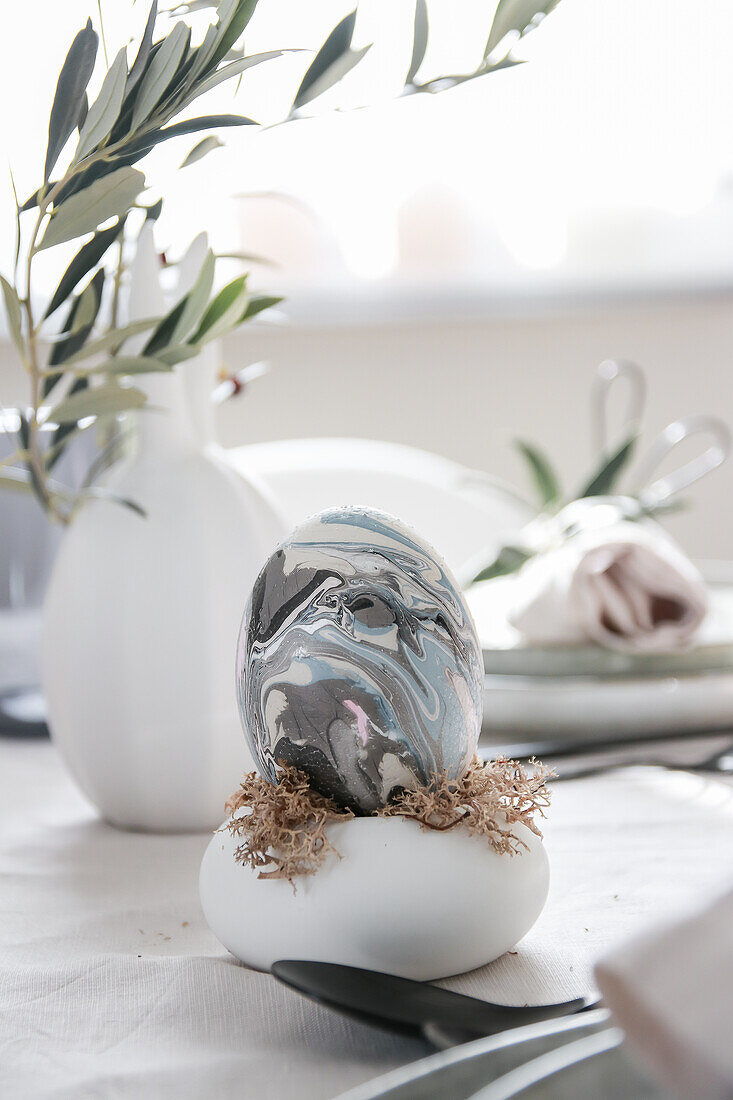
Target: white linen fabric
{"type": "Point", "coordinates": [624, 585]}
{"type": "Point", "coordinates": [112, 986]}
{"type": "Point", "coordinates": [672, 992]}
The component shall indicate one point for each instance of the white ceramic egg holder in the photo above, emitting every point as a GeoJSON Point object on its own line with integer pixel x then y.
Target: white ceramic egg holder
{"type": "Point", "coordinates": [401, 899]}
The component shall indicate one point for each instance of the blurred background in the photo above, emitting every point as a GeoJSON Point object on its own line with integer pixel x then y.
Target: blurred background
{"type": "Point", "coordinates": [454, 266]}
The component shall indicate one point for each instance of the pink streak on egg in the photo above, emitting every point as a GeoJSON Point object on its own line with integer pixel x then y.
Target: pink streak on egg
{"type": "Point", "coordinates": [361, 719]}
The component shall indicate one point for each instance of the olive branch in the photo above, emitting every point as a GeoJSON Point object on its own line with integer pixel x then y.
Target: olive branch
{"type": "Point", "coordinates": [81, 372]}
{"type": "Point", "coordinates": [603, 481]}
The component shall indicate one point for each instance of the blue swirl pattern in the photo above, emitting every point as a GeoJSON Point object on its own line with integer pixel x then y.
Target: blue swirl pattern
{"type": "Point", "coordinates": [358, 660]}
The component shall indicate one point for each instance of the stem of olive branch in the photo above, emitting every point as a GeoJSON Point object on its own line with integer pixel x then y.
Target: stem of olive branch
{"type": "Point", "coordinates": [48, 500]}
{"type": "Point", "coordinates": [101, 28]}
{"type": "Point", "coordinates": [34, 451]}
{"type": "Point", "coordinates": [35, 458]}
{"type": "Point", "coordinates": [119, 269]}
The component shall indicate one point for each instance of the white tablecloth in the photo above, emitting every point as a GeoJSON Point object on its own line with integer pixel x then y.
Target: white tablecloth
{"type": "Point", "coordinates": [111, 985]}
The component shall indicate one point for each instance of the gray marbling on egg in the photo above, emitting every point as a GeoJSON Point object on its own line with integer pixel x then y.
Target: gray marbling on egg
{"type": "Point", "coordinates": [358, 660]}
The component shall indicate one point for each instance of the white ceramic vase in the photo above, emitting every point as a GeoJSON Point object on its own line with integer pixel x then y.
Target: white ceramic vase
{"type": "Point", "coordinates": [142, 616]}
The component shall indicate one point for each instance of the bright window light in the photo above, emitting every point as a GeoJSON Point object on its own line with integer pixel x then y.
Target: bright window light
{"type": "Point", "coordinates": [607, 158]}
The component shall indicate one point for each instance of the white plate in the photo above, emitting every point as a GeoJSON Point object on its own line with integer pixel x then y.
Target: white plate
{"type": "Point", "coordinates": [595, 708]}
{"type": "Point", "coordinates": [462, 513]}
{"type": "Point", "coordinates": [592, 693]}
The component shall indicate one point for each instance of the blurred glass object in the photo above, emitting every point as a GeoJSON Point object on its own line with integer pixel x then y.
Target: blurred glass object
{"type": "Point", "coordinates": [28, 545]}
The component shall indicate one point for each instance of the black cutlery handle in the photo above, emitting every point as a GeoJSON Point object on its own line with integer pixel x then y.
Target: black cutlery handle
{"type": "Point", "coordinates": [488, 1019]}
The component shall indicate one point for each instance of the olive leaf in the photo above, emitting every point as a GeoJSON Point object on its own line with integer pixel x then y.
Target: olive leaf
{"type": "Point", "coordinates": [141, 60]}
{"type": "Point", "coordinates": [108, 197]}
{"type": "Point", "coordinates": [97, 401]}
{"type": "Point", "coordinates": [143, 145]}
{"type": "Point", "coordinates": [105, 109]}
{"type": "Point", "coordinates": [124, 365]}
{"type": "Point", "coordinates": [66, 345]}
{"type": "Point", "coordinates": [121, 365]}
{"type": "Point", "coordinates": [86, 258]}
{"type": "Point", "coordinates": [200, 60]}
{"type": "Point", "coordinates": [171, 356]}
{"type": "Point", "coordinates": [248, 258]}
{"type": "Point", "coordinates": [70, 88]}
{"type": "Point", "coordinates": [510, 559]}
{"type": "Point", "coordinates": [334, 49]}
{"type": "Point", "coordinates": [32, 201]}
{"type": "Point", "coordinates": [62, 434]}
{"type": "Point", "coordinates": [87, 309]}
{"type": "Point", "coordinates": [235, 68]}
{"type": "Point", "coordinates": [199, 151]}
{"type": "Point", "coordinates": [18, 235]}
{"type": "Point", "coordinates": [233, 27]}
{"type": "Point", "coordinates": [185, 314]}
{"type": "Point", "coordinates": [543, 475]}
{"type": "Point", "coordinates": [419, 40]}
{"type": "Point", "coordinates": [73, 336]}
{"type": "Point", "coordinates": [100, 492]}
{"type": "Point", "coordinates": [205, 122]}
{"type": "Point", "coordinates": [224, 311]}
{"type": "Point", "coordinates": [195, 302]}
{"type": "Point", "coordinates": [202, 55]}
{"type": "Point", "coordinates": [257, 304]}
{"type": "Point", "coordinates": [24, 440]}
{"type": "Point", "coordinates": [83, 112]}
{"type": "Point", "coordinates": [334, 73]}
{"type": "Point", "coordinates": [113, 339]}
{"type": "Point", "coordinates": [14, 313]}
{"type": "Point", "coordinates": [109, 454]}
{"type": "Point", "coordinates": [516, 15]}
{"type": "Point", "coordinates": [605, 478]}
{"type": "Point", "coordinates": [160, 73]}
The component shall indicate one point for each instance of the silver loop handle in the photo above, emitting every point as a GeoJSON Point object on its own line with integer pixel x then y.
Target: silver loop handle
{"type": "Point", "coordinates": [609, 373]}
{"type": "Point", "coordinates": [666, 487]}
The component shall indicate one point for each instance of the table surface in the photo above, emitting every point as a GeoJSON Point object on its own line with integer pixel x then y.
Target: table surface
{"type": "Point", "coordinates": [111, 984]}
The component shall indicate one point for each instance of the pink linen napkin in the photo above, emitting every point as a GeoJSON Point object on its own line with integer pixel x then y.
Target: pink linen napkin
{"type": "Point", "coordinates": [624, 585]}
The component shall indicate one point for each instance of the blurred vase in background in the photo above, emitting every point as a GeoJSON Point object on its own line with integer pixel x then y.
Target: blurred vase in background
{"type": "Point", "coordinates": [142, 614]}
{"type": "Point", "coordinates": [28, 545]}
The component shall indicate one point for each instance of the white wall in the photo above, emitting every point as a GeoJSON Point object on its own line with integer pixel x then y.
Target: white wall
{"type": "Point", "coordinates": [466, 388]}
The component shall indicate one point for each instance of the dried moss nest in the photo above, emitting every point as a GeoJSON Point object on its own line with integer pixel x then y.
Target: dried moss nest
{"type": "Point", "coordinates": [283, 829]}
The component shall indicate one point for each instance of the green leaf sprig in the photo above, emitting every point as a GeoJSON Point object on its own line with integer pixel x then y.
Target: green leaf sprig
{"type": "Point", "coordinates": [98, 196]}
{"type": "Point", "coordinates": [603, 481]}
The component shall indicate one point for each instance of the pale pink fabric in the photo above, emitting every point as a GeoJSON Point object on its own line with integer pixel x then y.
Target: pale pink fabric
{"type": "Point", "coordinates": [671, 990]}
{"type": "Point", "coordinates": [626, 586]}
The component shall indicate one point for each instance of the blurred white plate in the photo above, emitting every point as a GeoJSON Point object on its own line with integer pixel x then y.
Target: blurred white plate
{"type": "Point", "coordinates": [592, 708]}
{"type": "Point", "coordinates": [593, 693]}
{"type": "Point", "coordinates": [460, 512]}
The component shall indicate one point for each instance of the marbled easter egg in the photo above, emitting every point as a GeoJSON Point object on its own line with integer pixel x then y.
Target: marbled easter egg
{"type": "Point", "coordinates": [358, 660]}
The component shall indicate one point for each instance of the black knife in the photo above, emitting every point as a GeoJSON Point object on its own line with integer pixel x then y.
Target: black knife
{"type": "Point", "coordinates": [410, 1007]}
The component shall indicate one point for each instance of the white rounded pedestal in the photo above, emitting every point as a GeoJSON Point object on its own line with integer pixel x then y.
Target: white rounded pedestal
{"type": "Point", "coordinates": [401, 899]}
